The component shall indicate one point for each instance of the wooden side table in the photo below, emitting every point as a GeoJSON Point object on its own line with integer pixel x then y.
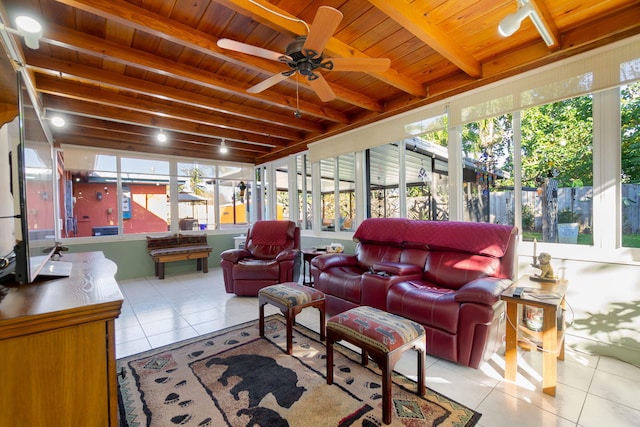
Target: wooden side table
{"type": "Point", "coordinates": [307, 256]}
{"type": "Point", "coordinates": [550, 298]}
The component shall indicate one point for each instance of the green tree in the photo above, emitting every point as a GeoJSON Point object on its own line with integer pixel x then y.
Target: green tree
{"type": "Point", "coordinates": [557, 140]}
{"type": "Point", "coordinates": [195, 176]}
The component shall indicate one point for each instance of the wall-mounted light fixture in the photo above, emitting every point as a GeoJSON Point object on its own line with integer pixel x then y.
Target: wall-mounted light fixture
{"type": "Point", "coordinates": [28, 28]}
{"type": "Point", "coordinates": [511, 23]}
{"type": "Point", "coordinates": [106, 190]}
{"type": "Point", "coordinates": [223, 147]}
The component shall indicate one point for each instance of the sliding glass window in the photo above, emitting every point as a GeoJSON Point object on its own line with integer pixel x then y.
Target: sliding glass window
{"type": "Point", "coordinates": [487, 154]}
{"type": "Point", "coordinates": [557, 172]}
{"type": "Point", "coordinates": [630, 128]}
{"type": "Point", "coordinates": [383, 167]}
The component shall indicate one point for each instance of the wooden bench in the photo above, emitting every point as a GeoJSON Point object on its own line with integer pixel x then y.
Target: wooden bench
{"type": "Point", "coordinates": [179, 247]}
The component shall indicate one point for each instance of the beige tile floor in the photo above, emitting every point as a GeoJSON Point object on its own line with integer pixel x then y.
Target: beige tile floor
{"type": "Point", "coordinates": [592, 391]}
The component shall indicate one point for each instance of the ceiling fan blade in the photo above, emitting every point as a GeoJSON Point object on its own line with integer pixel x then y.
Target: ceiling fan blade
{"type": "Point", "coordinates": [249, 49]}
{"type": "Point", "coordinates": [266, 84]}
{"type": "Point", "coordinates": [322, 28]}
{"type": "Point", "coordinates": [361, 64]}
{"type": "Point", "coordinates": [322, 89]}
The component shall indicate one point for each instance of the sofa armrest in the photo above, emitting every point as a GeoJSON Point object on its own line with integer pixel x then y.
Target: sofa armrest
{"type": "Point", "coordinates": [287, 254]}
{"type": "Point", "coordinates": [322, 262]}
{"type": "Point", "coordinates": [397, 268]}
{"type": "Point", "coordinates": [234, 255]}
{"type": "Point", "coordinates": [485, 290]}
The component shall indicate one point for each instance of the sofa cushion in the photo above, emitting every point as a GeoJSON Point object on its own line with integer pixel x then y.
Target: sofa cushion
{"type": "Point", "coordinates": [472, 237]}
{"type": "Point", "coordinates": [370, 253]}
{"type": "Point", "coordinates": [396, 268]}
{"type": "Point", "coordinates": [343, 282]}
{"type": "Point", "coordinates": [383, 230]}
{"type": "Point", "coordinates": [250, 268]}
{"type": "Point", "coordinates": [454, 269]}
{"type": "Point", "coordinates": [425, 303]}
{"type": "Point", "coordinates": [275, 233]}
{"type": "Point", "coordinates": [485, 291]}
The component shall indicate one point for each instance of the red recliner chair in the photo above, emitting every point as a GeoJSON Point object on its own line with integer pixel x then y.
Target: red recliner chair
{"type": "Point", "coordinates": [271, 255]}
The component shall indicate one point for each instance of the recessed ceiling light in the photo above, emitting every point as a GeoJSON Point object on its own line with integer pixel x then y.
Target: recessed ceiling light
{"type": "Point", "coordinates": [161, 137]}
{"type": "Point", "coordinates": [57, 121]}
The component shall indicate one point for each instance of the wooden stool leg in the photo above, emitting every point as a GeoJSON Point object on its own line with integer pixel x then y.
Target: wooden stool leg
{"type": "Point", "coordinates": [322, 322]}
{"type": "Point", "coordinates": [329, 347]}
{"type": "Point", "coordinates": [261, 318]}
{"type": "Point", "coordinates": [290, 320]}
{"type": "Point", "coordinates": [421, 363]}
{"type": "Point", "coordinates": [386, 391]}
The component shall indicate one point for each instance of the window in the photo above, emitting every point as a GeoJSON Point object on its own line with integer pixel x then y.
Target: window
{"type": "Point", "coordinates": [196, 196]}
{"type": "Point", "coordinates": [557, 171]}
{"type": "Point", "coordinates": [346, 194]}
{"type": "Point", "coordinates": [283, 209]}
{"type": "Point", "coordinates": [487, 147]}
{"type": "Point", "coordinates": [426, 169]}
{"type": "Point", "coordinates": [303, 176]}
{"type": "Point", "coordinates": [630, 139]}
{"type": "Point", "coordinates": [145, 195]}
{"type": "Point", "coordinates": [90, 194]}
{"type": "Point", "coordinates": [383, 168]}
{"type": "Point", "coordinates": [236, 196]}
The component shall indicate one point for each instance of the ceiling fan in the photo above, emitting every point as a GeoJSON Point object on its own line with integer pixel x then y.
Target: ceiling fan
{"type": "Point", "coordinates": [304, 56]}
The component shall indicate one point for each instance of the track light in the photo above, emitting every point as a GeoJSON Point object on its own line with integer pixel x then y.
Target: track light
{"type": "Point", "coordinates": [28, 28]}
{"type": "Point", "coordinates": [161, 137]}
{"type": "Point", "coordinates": [511, 23]}
{"type": "Point", "coordinates": [223, 147]}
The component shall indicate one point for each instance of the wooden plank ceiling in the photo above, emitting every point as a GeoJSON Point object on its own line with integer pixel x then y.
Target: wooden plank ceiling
{"type": "Point", "coordinates": [121, 70]}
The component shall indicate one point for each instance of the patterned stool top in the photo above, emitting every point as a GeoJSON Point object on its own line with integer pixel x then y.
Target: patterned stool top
{"type": "Point", "coordinates": [379, 329]}
{"type": "Point", "coordinates": [291, 294]}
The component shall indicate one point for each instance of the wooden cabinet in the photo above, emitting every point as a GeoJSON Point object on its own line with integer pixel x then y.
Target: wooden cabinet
{"type": "Point", "coordinates": [57, 348]}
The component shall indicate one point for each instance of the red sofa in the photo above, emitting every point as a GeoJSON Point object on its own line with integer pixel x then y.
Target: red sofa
{"type": "Point", "coordinates": [448, 276]}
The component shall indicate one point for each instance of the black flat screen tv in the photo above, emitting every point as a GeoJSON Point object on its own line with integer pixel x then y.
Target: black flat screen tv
{"type": "Point", "coordinates": [35, 223]}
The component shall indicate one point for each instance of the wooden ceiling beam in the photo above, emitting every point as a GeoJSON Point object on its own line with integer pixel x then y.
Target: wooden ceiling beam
{"type": "Point", "coordinates": [90, 109]}
{"type": "Point", "coordinates": [142, 147]}
{"type": "Point", "coordinates": [62, 68]}
{"type": "Point", "coordinates": [99, 96]}
{"type": "Point", "coordinates": [81, 42]}
{"type": "Point", "coordinates": [104, 129]}
{"type": "Point", "coordinates": [408, 17]}
{"type": "Point", "coordinates": [144, 20]}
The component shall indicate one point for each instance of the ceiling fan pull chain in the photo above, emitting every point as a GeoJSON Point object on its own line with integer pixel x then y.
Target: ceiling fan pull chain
{"type": "Point", "coordinates": [296, 113]}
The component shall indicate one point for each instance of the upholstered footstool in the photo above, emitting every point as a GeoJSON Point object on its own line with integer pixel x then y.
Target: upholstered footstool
{"type": "Point", "coordinates": [384, 337]}
{"type": "Point", "coordinates": [291, 298]}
